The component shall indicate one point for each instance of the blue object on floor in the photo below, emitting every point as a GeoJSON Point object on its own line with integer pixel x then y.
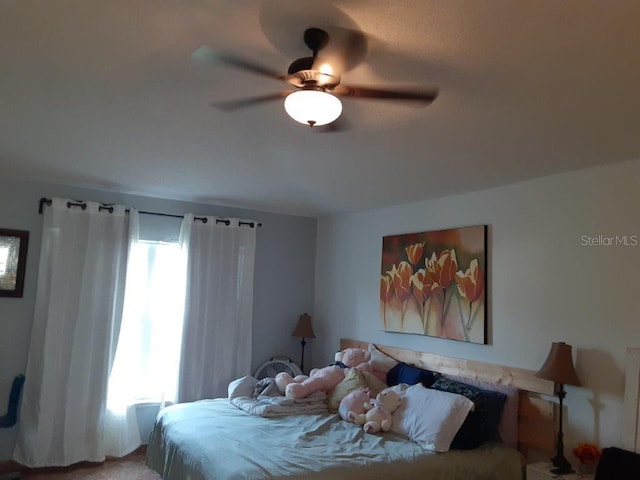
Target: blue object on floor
{"type": "Point", "coordinates": [10, 419]}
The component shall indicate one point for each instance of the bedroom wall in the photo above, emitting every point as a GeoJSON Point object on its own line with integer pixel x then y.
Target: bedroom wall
{"type": "Point", "coordinates": [545, 285]}
{"type": "Point", "coordinates": [283, 286]}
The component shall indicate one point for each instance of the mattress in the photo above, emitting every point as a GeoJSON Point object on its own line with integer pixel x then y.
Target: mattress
{"type": "Point", "coordinates": [212, 439]}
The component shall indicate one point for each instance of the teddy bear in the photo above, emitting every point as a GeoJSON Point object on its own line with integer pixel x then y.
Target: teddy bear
{"type": "Point", "coordinates": [283, 379]}
{"type": "Point", "coordinates": [353, 404]}
{"type": "Point", "coordinates": [323, 379]}
{"type": "Point", "coordinates": [354, 358]}
{"type": "Point", "coordinates": [378, 416]}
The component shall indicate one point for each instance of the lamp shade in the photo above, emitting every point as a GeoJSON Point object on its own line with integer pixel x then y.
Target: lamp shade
{"type": "Point", "coordinates": [559, 365]}
{"type": "Point", "coordinates": [303, 328]}
{"type": "Point", "coordinates": [313, 107]}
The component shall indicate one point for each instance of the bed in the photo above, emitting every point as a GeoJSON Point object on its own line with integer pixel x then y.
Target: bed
{"type": "Point", "coordinates": [213, 439]}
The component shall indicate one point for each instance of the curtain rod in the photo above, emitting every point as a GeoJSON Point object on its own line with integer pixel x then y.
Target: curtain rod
{"type": "Point", "coordinates": [109, 206]}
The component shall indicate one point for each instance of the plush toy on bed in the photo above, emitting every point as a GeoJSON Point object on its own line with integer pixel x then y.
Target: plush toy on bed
{"type": "Point", "coordinates": [378, 416]}
{"type": "Point", "coordinates": [354, 358]}
{"type": "Point", "coordinates": [323, 379]}
{"type": "Point", "coordinates": [353, 404]}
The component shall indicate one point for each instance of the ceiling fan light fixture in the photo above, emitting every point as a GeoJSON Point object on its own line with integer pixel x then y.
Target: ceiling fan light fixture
{"type": "Point", "coordinates": [313, 107]}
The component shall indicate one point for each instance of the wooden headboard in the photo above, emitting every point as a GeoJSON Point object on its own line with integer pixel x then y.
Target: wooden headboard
{"type": "Point", "coordinates": [536, 425]}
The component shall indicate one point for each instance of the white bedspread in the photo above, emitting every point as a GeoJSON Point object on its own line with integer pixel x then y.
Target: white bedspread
{"type": "Point", "coordinates": [242, 394]}
{"type": "Point", "coordinates": [213, 440]}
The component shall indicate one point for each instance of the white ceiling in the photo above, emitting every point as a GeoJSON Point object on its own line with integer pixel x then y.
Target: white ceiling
{"type": "Point", "coordinates": [104, 94]}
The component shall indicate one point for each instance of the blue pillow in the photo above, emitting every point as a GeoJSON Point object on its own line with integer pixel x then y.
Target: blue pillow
{"type": "Point", "coordinates": [481, 424]}
{"type": "Point", "coordinates": [405, 373]}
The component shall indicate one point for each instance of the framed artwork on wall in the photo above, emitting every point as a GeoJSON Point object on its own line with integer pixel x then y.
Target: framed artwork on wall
{"type": "Point", "coordinates": [435, 283]}
{"type": "Point", "coordinates": [13, 261]}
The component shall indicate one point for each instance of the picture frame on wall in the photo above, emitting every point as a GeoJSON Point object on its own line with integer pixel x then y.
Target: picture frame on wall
{"type": "Point", "coordinates": [435, 283]}
{"type": "Point", "coordinates": [13, 261]}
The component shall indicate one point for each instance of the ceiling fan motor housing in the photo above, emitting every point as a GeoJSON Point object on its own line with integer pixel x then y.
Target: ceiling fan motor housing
{"type": "Point", "coordinates": [313, 79]}
{"type": "Point", "coordinates": [304, 72]}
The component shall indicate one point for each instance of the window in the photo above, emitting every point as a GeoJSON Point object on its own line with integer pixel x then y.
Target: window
{"type": "Point", "coordinates": [4, 259]}
{"type": "Point", "coordinates": [148, 356]}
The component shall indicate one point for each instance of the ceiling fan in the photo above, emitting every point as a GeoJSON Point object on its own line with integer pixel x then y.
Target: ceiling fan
{"type": "Point", "coordinates": [316, 81]}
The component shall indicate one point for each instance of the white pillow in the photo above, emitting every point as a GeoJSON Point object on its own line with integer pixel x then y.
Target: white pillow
{"type": "Point", "coordinates": [430, 418]}
{"type": "Point", "coordinates": [380, 361]}
{"type": "Point", "coordinates": [353, 380]}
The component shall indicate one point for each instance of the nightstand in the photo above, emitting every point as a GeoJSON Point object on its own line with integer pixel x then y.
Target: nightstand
{"type": "Point", "coordinates": [542, 471]}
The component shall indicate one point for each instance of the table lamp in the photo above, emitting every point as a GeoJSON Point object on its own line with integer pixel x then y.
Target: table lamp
{"type": "Point", "coordinates": [303, 330]}
{"type": "Point", "coordinates": [559, 369]}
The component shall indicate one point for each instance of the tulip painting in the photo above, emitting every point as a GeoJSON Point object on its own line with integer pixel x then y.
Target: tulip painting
{"type": "Point", "coordinates": [401, 278]}
{"type": "Point", "coordinates": [470, 287]}
{"type": "Point", "coordinates": [386, 292]}
{"type": "Point", "coordinates": [434, 283]}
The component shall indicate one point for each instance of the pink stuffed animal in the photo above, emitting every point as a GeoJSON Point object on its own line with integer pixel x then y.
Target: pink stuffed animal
{"type": "Point", "coordinates": [354, 358]}
{"type": "Point", "coordinates": [283, 379]}
{"type": "Point", "coordinates": [353, 404]}
{"type": "Point", "coordinates": [378, 417]}
{"type": "Point", "coordinates": [324, 379]}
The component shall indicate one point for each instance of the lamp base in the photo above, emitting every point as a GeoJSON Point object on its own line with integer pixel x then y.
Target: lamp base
{"type": "Point", "coordinates": [561, 470]}
{"type": "Point", "coordinates": [303, 342]}
{"type": "Point", "coordinates": [561, 465]}
{"type": "Point", "coordinates": [560, 462]}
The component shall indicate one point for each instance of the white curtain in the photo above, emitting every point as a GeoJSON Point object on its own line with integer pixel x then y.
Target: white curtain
{"type": "Point", "coordinates": [217, 334]}
{"type": "Point", "coordinates": [79, 302]}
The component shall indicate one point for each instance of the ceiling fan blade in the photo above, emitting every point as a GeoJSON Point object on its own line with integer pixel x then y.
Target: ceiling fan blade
{"type": "Point", "coordinates": [209, 55]}
{"type": "Point", "coordinates": [346, 49]}
{"type": "Point", "coordinates": [425, 96]}
{"type": "Point", "coordinates": [231, 105]}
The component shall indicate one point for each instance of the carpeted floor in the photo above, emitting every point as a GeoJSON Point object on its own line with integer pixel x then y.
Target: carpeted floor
{"type": "Point", "coordinates": [131, 467]}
